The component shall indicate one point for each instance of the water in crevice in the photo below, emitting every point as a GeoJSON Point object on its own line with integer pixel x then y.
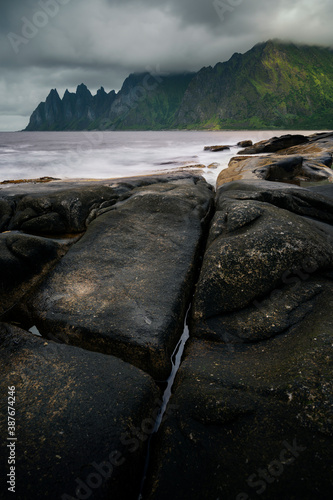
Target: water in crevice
{"type": "Point", "coordinates": [175, 360]}
{"type": "Point", "coordinates": [34, 330]}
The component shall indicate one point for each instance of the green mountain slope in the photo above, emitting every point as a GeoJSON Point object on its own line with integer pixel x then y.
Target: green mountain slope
{"type": "Point", "coordinates": [146, 102]}
{"type": "Point", "coordinates": [273, 85]}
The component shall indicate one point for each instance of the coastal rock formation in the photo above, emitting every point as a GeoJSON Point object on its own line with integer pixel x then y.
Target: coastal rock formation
{"type": "Point", "coordinates": [275, 144]}
{"type": "Point", "coordinates": [310, 161]}
{"type": "Point", "coordinates": [78, 415]}
{"type": "Point", "coordinates": [254, 392]}
{"type": "Point", "coordinates": [76, 111]}
{"type": "Point", "coordinates": [106, 271]}
{"type": "Point", "coordinates": [274, 85]}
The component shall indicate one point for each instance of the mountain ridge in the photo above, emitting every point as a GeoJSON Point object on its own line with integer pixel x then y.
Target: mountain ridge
{"type": "Point", "coordinates": [275, 84]}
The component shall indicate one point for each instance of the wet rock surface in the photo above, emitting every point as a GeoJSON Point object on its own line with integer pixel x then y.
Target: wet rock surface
{"type": "Point", "coordinates": [106, 271]}
{"type": "Point", "coordinates": [313, 202]}
{"type": "Point", "coordinates": [59, 207]}
{"type": "Point", "coordinates": [125, 286]}
{"type": "Point", "coordinates": [75, 415]}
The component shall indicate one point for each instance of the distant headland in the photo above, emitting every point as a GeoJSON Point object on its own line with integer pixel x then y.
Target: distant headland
{"type": "Point", "coordinates": [274, 85]}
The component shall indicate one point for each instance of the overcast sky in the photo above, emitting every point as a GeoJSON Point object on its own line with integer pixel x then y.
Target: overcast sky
{"type": "Point", "coordinates": [62, 43]}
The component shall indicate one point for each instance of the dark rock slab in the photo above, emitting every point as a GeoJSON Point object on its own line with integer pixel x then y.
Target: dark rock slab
{"type": "Point", "coordinates": [253, 249]}
{"type": "Point", "coordinates": [251, 420]}
{"type": "Point", "coordinates": [123, 289]}
{"type": "Point", "coordinates": [24, 261]}
{"type": "Point", "coordinates": [76, 414]}
{"type": "Point", "coordinates": [275, 144]}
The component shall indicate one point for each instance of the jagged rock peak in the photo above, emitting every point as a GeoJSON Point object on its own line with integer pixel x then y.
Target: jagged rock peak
{"type": "Point", "coordinates": [82, 89]}
{"type": "Point", "coordinates": [53, 94]}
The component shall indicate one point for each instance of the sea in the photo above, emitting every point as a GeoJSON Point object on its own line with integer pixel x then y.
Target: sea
{"type": "Point", "coordinates": [115, 154]}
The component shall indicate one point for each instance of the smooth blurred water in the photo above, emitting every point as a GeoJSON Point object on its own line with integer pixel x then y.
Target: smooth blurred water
{"type": "Point", "coordinates": [101, 155]}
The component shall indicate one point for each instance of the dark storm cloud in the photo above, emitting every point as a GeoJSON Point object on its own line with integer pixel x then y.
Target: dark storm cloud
{"type": "Point", "coordinates": [61, 43]}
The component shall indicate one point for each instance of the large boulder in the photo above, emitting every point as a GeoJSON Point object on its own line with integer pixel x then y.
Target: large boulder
{"type": "Point", "coordinates": [82, 420]}
{"type": "Point", "coordinates": [124, 288]}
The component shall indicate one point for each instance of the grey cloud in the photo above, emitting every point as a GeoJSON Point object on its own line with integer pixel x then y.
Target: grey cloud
{"type": "Point", "coordinates": [100, 42]}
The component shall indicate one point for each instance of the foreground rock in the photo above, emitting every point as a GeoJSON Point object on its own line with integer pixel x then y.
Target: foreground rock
{"type": "Point", "coordinates": [124, 288]}
{"type": "Point", "coordinates": [286, 168]}
{"type": "Point", "coordinates": [252, 410]}
{"type": "Point", "coordinates": [255, 392]}
{"type": "Point", "coordinates": [76, 418]}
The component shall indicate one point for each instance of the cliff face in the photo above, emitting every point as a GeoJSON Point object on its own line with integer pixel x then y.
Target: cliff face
{"type": "Point", "coordinates": [76, 111]}
{"type": "Point", "coordinates": [274, 85]}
